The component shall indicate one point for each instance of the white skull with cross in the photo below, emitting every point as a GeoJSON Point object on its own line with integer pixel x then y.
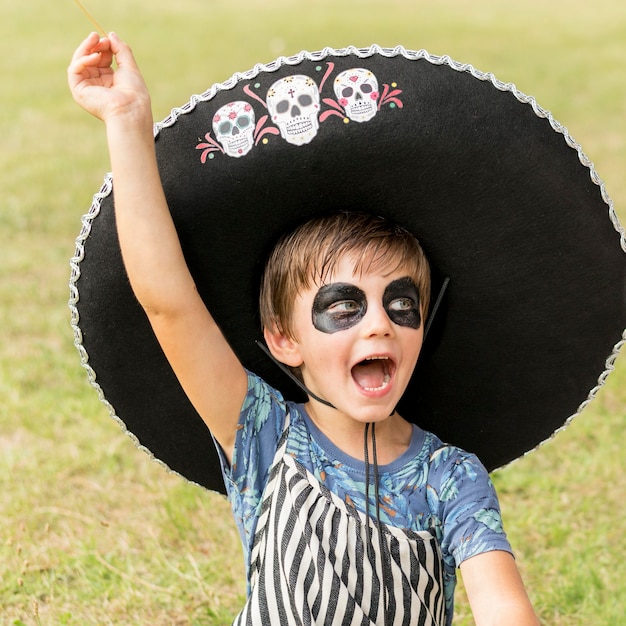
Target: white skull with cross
{"type": "Point", "coordinates": [233, 125]}
{"type": "Point", "coordinates": [356, 91]}
{"type": "Point", "coordinates": [294, 103]}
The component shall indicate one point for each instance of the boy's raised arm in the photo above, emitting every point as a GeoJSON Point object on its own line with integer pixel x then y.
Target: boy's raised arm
{"type": "Point", "coordinates": [204, 363]}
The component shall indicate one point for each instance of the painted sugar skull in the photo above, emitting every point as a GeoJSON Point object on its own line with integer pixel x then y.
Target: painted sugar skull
{"type": "Point", "coordinates": [294, 104]}
{"type": "Point", "coordinates": [233, 125]}
{"type": "Point", "coordinates": [356, 91]}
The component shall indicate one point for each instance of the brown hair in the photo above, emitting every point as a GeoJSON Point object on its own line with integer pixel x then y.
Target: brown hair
{"type": "Point", "coordinates": [310, 254]}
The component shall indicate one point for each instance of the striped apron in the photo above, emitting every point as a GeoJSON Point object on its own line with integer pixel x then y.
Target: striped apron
{"type": "Point", "coordinates": [311, 564]}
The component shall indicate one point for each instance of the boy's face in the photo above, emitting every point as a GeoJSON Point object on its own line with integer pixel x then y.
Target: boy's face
{"type": "Point", "coordinates": [358, 338]}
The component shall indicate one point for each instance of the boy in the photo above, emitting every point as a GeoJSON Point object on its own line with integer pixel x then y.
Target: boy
{"type": "Point", "coordinates": [353, 330]}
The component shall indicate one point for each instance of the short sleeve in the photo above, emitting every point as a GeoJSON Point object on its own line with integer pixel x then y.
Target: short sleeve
{"type": "Point", "coordinates": [261, 423]}
{"type": "Point", "coordinates": [468, 506]}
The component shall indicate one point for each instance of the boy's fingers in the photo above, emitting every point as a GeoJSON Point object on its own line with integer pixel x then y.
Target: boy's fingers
{"type": "Point", "coordinates": [86, 47]}
{"type": "Point", "coordinates": [93, 54]}
{"type": "Point", "coordinates": [86, 63]}
{"type": "Point", "coordinates": [78, 67]}
{"type": "Point", "coordinates": [122, 52]}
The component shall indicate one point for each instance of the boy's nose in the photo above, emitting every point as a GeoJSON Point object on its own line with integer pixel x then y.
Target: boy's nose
{"type": "Point", "coordinates": [376, 321]}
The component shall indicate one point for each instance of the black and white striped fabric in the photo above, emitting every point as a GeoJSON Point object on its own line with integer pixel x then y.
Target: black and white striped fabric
{"type": "Point", "coordinates": [310, 565]}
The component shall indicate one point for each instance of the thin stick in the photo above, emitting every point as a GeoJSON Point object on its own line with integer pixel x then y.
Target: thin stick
{"type": "Point", "coordinates": [90, 18]}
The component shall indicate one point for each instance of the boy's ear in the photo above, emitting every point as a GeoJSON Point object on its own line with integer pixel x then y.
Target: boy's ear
{"type": "Point", "coordinates": [283, 348]}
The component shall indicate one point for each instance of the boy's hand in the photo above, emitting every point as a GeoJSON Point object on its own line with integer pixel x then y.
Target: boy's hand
{"type": "Point", "coordinates": [101, 90]}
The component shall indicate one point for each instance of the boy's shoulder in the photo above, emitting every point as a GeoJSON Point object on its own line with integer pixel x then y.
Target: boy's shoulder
{"type": "Point", "coordinates": [448, 461]}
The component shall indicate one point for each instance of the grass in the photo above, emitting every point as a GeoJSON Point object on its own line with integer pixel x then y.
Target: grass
{"type": "Point", "coordinates": [91, 530]}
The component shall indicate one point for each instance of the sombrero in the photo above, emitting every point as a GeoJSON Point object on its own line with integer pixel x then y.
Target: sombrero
{"type": "Point", "coordinates": [503, 200]}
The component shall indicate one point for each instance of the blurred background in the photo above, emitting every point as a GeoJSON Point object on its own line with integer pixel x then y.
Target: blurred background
{"type": "Point", "coordinates": [94, 532]}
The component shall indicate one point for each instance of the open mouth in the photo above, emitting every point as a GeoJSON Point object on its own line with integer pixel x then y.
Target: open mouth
{"type": "Point", "coordinates": [374, 373]}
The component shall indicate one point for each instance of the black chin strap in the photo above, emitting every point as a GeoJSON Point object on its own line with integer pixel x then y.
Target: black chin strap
{"type": "Point", "coordinates": [382, 544]}
{"type": "Point", "coordinates": [435, 308]}
{"type": "Point", "coordinates": [291, 375]}
{"type": "Point", "coordinates": [307, 391]}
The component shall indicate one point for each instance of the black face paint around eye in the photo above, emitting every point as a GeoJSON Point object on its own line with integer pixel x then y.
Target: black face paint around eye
{"type": "Point", "coordinates": [402, 303]}
{"type": "Point", "coordinates": [338, 306]}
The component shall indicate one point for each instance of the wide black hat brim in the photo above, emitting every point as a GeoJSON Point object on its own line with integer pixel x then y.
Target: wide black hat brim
{"type": "Point", "coordinates": [502, 199]}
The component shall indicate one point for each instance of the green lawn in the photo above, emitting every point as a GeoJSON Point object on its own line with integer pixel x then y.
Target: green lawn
{"type": "Point", "coordinates": [91, 530]}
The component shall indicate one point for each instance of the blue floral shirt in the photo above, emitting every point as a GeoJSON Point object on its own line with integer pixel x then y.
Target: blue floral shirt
{"type": "Point", "coordinates": [432, 486]}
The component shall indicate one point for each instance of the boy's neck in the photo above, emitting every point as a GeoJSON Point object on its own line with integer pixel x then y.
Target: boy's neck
{"type": "Point", "coordinates": [393, 434]}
